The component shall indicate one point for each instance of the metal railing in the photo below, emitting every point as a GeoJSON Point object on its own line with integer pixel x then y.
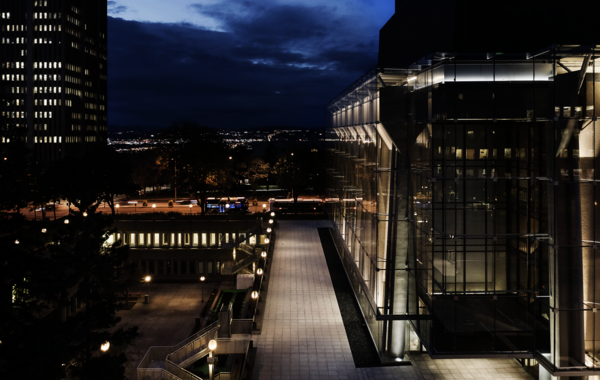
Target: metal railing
{"type": "Point", "coordinates": [193, 347]}
{"type": "Point", "coordinates": [156, 374]}
{"type": "Point", "coordinates": [180, 372]}
{"type": "Point", "coordinates": [246, 248]}
{"type": "Point", "coordinates": [163, 354]}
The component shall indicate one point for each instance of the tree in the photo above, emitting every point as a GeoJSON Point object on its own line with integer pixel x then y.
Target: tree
{"type": "Point", "coordinates": [201, 157]}
{"type": "Point", "coordinates": [256, 170]}
{"type": "Point", "coordinates": [293, 174]}
{"type": "Point", "coordinates": [39, 275]}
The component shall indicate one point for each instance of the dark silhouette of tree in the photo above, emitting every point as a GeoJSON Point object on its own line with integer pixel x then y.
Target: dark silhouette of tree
{"type": "Point", "coordinates": [39, 276]}
{"type": "Point", "coordinates": [201, 157]}
{"type": "Point", "coordinates": [292, 174]}
{"type": "Point", "coordinates": [256, 170]}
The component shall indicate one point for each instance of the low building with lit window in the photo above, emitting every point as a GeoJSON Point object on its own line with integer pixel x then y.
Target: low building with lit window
{"type": "Point", "coordinates": [54, 76]}
{"type": "Point", "coordinates": [182, 248]}
{"type": "Point", "coordinates": [464, 186]}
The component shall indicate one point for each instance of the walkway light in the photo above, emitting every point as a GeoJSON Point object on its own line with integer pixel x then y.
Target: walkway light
{"type": "Point", "coordinates": [270, 221]}
{"type": "Point", "coordinates": [84, 213]}
{"type": "Point", "coordinates": [190, 209]}
{"type": "Point", "coordinates": [212, 345]}
{"type": "Point", "coordinates": [263, 254]}
{"type": "Point", "coordinates": [273, 213]}
{"type": "Point", "coordinates": [105, 346]}
{"type": "Point", "coordinates": [254, 295]}
{"type": "Point", "coordinates": [147, 279]}
{"type": "Point", "coordinates": [267, 240]}
{"type": "Point", "coordinates": [66, 221]}
{"type": "Point", "coordinates": [17, 241]}
{"type": "Point", "coordinates": [202, 278]}
{"type": "Point", "coordinates": [154, 206]}
{"type": "Point", "coordinates": [44, 230]}
{"type": "Point", "coordinates": [264, 205]}
{"type": "Point", "coordinates": [259, 271]}
{"type": "Point", "coordinates": [269, 230]}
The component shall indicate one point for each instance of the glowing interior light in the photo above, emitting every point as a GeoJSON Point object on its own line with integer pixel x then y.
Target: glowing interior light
{"type": "Point", "coordinates": [212, 345]}
{"type": "Point", "coordinates": [105, 346]}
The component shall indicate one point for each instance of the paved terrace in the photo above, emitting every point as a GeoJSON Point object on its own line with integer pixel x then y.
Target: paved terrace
{"type": "Point", "coordinates": [303, 336]}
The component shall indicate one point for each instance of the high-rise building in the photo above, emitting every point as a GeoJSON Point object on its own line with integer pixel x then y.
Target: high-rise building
{"type": "Point", "coordinates": [466, 189]}
{"type": "Point", "coordinates": [54, 76]}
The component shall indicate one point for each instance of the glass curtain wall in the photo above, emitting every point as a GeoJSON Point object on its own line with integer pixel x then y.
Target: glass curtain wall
{"type": "Point", "coordinates": [467, 204]}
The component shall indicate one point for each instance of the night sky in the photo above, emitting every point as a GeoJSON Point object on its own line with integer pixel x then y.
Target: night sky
{"type": "Point", "coordinates": [237, 63]}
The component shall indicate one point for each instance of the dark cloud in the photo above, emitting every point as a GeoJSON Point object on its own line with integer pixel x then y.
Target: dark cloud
{"type": "Point", "coordinates": [114, 8]}
{"type": "Point", "coordinates": [269, 65]}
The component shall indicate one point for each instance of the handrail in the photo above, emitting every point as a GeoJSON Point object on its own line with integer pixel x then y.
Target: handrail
{"type": "Point", "coordinates": [163, 374]}
{"type": "Point", "coordinates": [199, 334]}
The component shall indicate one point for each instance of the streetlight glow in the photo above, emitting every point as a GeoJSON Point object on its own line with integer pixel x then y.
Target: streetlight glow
{"type": "Point", "coordinates": [147, 278]}
{"type": "Point", "coordinates": [254, 295]}
{"type": "Point", "coordinates": [259, 271]}
{"type": "Point", "coordinates": [117, 206]}
{"type": "Point", "coordinates": [212, 345]}
{"type": "Point", "coordinates": [267, 240]}
{"type": "Point", "coordinates": [44, 230]}
{"type": "Point", "coordinates": [66, 221]}
{"type": "Point", "coordinates": [17, 241]}
{"type": "Point", "coordinates": [154, 206]}
{"type": "Point", "coordinates": [84, 213]}
{"type": "Point", "coordinates": [272, 213]}
{"type": "Point", "coordinates": [105, 346]}
{"type": "Point", "coordinates": [263, 254]}
{"type": "Point", "coordinates": [270, 221]}
{"type": "Point", "coordinates": [269, 230]}
{"type": "Point", "coordinates": [202, 278]}
{"type": "Point", "coordinates": [264, 205]}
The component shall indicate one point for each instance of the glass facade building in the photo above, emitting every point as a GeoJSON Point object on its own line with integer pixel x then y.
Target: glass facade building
{"type": "Point", "coordinates": [465, 201]}
{"type": "Point", "coordinates": [54, 76]}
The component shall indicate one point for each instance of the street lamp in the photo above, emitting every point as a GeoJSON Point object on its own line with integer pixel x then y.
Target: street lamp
{"type": "Point", "coordinates": [147, 297]}
{"type": "Point", "coordinates": [264, 207]}
{"type": "Point", "coordinates": [84, 214]}
{"type": "Point", "coordinates": [202, 278]}
{"type": "Point", "coordinates": [212, 345]}
{"type": "Point", "coordinates": [267, 240]}
{"type": "Point", "coordinates": [117, 207]}
{"type": "Point", "coordinates": [269, 230]}
{"type": "Point", "coordinates": [105, 346]}
{"type": "Point", "coordinates": [17, 241]}
{"type": "Point", "coordinates": [254, 296]}
{"type": "Point", "coordinates": [263, 254]}
{"type": "Point", "coordinates": [190, 209]}
{"type": "Point", "coordinates": [153, 206]}
{"type": "Point", "coordinates": [44, 230]}
{"type": "Point", "coordinates": [272, 213]}
{"type": "Point", "coordinates": [66, 221]}
{"type": "Point", "coordinates": [233, 255]}
{"type": "Point", "coordinates": [270, 221]}
{"type": "Point", "coordinates": [259, 271]}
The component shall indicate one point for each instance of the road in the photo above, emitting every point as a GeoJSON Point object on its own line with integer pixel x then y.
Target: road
{"type": "Point", "coordinates": [162, 205]}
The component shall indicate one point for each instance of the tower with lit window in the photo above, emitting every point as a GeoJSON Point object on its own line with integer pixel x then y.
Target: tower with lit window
{"type": "Point", "coordinates": [54, 76]}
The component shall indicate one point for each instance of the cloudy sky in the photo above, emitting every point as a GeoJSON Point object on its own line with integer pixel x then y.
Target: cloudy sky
{"type": "Point", "coordinates": [237, 63]}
